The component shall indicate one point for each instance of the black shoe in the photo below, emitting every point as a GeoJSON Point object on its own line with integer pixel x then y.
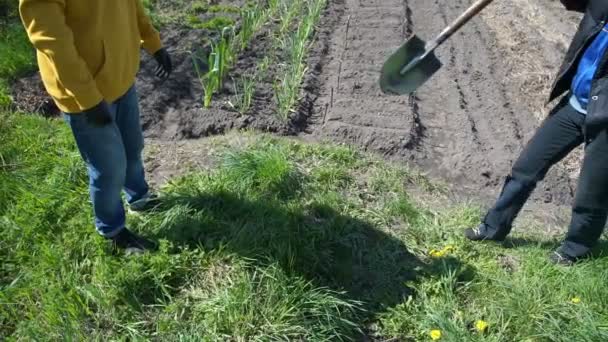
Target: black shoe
{"type": "Point", "coordinates": [478, 234]}
{"type": "Point", "coordinates": [131, 243]}
{"type": "Point", "coordinates": [559, 258]}
{"type": "Point", "coordinates": [146, 204]}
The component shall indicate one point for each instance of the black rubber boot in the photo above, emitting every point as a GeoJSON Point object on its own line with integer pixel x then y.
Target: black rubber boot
{"type": "Point", "coordinates": [146, 204]}
{"type": "Point", "coordinates": [561, 259]}
{"type": "Point", "coordinates": [132, 243]}
{"type": "Point", "coordinates": [498, 221]}
{"type": "Point", "coordinates": [480, 233]}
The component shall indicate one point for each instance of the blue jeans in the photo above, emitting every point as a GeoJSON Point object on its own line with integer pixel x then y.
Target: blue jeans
{"type": "Point", "coordinates": [113, 157]}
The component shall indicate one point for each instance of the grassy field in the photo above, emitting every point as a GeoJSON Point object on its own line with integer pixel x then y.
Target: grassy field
{"type": "Point", "coordinates": [281, 241]}
{"type": "Point", "coordinates": [16, 57]}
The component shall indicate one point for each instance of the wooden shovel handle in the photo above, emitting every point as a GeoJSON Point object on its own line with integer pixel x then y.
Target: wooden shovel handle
{"type": "Point", "coordinates": [460, 22]}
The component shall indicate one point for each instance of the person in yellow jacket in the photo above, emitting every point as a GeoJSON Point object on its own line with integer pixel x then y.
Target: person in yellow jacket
{"type": "Point", "coordinates": [88, 53]}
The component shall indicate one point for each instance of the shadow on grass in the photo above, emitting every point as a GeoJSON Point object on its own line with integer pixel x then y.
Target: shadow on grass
{"type": "Point", "coordinates": [516, 242]}
{"type": "Point", "coordinates": [329, 249]}
{"type": "Point", "coordinates": [599, 251]}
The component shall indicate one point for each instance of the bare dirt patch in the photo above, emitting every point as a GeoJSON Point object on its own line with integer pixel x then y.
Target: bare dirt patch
{"type": "Point", "coordinates": [30, 96]}
{"type": "Point", "coordinates": [470, 122]}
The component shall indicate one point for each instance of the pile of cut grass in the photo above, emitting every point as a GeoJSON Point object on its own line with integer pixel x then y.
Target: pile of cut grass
{"type": "Point", "coordinates": [281, 241]}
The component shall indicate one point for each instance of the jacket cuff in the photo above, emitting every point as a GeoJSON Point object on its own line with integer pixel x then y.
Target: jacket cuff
{"type": "Point", "coordinates": [152, 44]}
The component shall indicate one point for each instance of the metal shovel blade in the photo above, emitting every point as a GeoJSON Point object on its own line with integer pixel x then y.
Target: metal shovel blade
{"type": "Point", "coordinates": [408, 68]}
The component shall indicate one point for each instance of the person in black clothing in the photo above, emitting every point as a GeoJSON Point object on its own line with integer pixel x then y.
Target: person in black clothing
{"type": "Point", "coordinates": [581, 117]}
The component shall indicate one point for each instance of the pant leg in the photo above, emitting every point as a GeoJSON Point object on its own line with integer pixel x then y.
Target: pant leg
{"type": "Point", "coordinates": [590, 207]}
{"type": "Point", "coordinates": [127, 119]}
{"type": "Point", "coordinates": [557, 136]}
{"type": "Point", "coordinates": [102, 150]}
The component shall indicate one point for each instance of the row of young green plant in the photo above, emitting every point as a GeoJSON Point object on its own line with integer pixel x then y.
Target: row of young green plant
{"type": "Point", "coordinates": [293, 41]}
{"type": "Point", "coordinates": [296, 46]}
{"type": "Point", "coordinates": [224, 51]}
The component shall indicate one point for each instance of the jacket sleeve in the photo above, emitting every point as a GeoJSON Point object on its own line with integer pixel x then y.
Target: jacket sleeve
{"type": "Point", "coordinates": [45, 23]}
{"type": "Point", "coordinates": [150, 37]}
{"type": "Point", "coordinates": [575, 5]}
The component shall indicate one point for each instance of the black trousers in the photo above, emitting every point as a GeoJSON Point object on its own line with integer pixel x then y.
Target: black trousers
{"type": "Point", "coordinates": [558, 136]}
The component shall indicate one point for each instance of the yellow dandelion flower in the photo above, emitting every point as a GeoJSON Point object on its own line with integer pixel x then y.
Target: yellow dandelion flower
{"type": "Point", "coordinates": [435, 335]}
{"type": "Point", "coordinates": [481, 325]}
{"type": "Point", "coordinates": [436, 254]}
{"type": "Point", "coordinates": [576, 300]}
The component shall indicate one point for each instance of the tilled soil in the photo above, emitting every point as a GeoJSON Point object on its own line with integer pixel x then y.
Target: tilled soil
{"type": "Point", "coordinates": [173, 109]}
{"type": "Point", "coordinates": [466, 126]}
{"type": "Point", "coordinates": [469, 123]}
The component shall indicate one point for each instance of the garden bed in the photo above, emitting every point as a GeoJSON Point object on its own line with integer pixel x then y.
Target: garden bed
{"type": "Point", "coordinates": [265, 86]}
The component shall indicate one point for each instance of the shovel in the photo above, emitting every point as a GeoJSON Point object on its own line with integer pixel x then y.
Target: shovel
{"type": "Point", "coordinates": [415, 61]}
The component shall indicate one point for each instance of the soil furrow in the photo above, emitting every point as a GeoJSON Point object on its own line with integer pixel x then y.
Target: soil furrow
{"type": "Point", "coordinates": [468, 124]}
{"type": "Point", "coordinates": [350, 107]}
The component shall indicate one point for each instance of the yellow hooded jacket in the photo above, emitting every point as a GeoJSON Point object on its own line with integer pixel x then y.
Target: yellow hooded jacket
{"type": "Point", "coordinates": [88, 50]}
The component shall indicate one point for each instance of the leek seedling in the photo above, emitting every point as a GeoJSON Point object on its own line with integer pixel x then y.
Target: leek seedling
{"type": "Point", "coordinates": [251, 20]}
{"type": "Point", "coordinates": [244, 98]}
{"type": "Point", "coordinates": [224, 54]}
{"type": "Point", "coordinates": [210, 81]}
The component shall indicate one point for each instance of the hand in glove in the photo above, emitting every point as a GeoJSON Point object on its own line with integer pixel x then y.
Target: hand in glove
{"type": "Point", "coordinates": [165, 67]}
{"type": "Point", "coordinates": [100, 115]}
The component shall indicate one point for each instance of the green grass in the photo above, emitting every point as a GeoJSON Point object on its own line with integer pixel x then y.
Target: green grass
{"type": "Point", "coordinates": [203, 7]}
{"type": "Point", "coordinates": [281, 241]}
{"type": "Point", "coordinates": [8, 10]}
{"type": "Point", "coordinates": [217, 23]}
{"type": "Point", "coordinates": [16, 57]}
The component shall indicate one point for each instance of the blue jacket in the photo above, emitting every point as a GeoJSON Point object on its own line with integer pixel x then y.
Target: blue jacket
{"type": "Point", "coordinates": [587, 67]}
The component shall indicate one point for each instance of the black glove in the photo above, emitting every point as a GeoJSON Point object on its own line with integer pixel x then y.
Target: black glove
{"type": "Point", "coordinates": [165, 67]}
{"type": "Point", "coordinates": [100, 115]}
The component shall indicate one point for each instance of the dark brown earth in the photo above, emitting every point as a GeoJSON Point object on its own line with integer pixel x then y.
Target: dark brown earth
{"type": "Point", "coordinates": [30, 96]}
{"type": "Point", "coordinates": [174, 110]}
{"type": "Point", "coordinates": [466, 126]}
{"type": "Point", "coordinates": [469, 123]}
